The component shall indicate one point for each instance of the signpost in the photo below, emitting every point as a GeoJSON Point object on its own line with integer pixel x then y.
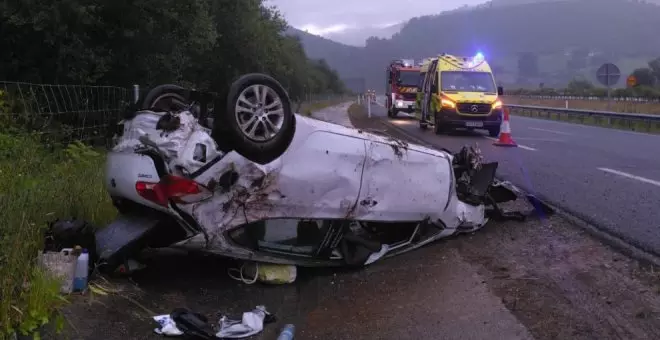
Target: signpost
{"type": "Point", "coordinates": [608, 74]}
{"type": "Point", "coordinates": [631, 81]}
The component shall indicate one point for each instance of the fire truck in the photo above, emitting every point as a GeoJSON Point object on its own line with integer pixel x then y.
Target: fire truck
{"type": "Point", "coordinates": [402, 80]}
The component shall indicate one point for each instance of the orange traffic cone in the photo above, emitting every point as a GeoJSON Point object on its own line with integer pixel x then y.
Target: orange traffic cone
{"type": "Point", "coordinates": [505, 132]}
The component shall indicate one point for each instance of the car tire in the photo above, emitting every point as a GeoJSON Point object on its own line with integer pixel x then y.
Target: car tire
{"type": "Point", "coordinates": [494, 132]}
{"type": "Point", "coordinates": [166, 97]}
{"type": "Point", "coordinates": [244, 127]}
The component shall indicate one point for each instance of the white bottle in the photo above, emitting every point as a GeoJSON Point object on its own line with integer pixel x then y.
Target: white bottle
{"type": "Point", "coordinates": [82, 269]}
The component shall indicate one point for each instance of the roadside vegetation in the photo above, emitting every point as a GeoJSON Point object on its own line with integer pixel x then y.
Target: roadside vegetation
{"type": "Point", "coordinates": [52, 146]}
{"type": "Point", "coordinates": [644, 97]}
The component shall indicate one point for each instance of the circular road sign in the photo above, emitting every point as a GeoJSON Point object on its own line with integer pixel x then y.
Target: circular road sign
{"type": "Point", "coordinates": [631, 81]}
{"type": "Point", "coordinates": [608, 74]}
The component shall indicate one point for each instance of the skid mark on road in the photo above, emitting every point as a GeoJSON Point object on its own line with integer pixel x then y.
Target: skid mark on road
{"type": "Point", "coordinates": [631, 176]}
{"type": "Point", "coordinates": [524, 147]}
{"type": "Point", "coordinates": [552, 131]}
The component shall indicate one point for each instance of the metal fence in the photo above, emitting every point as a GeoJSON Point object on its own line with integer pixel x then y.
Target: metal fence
{"type": "Point", "coordinates": [63, 113]}
{"type": "Point", "coordinates": [60, 114]}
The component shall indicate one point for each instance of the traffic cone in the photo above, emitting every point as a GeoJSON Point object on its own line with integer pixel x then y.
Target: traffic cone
{"type": "Point", "coordinates": [505, 132]}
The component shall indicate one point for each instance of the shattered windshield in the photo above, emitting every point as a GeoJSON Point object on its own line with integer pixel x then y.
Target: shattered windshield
{"type": "Point", "coordinates": [467, 81]}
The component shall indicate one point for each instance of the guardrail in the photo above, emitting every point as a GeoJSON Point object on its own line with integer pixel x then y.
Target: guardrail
{"type": "Point", "coordinates": [591, 98]}
{"type": "Point", "coordinates": [630, 121]}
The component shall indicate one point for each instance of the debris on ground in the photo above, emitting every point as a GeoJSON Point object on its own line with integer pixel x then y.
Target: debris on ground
{"type": "Point", "coordinates": [287, 332]}
{"type": "Point", "coordinates": [195, 325]}
{"type": "Point", "coordinates": [251, 272]}
{"type": "Point", "coordinates": [250, 324]}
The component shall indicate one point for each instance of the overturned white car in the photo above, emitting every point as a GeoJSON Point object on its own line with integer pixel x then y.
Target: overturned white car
{"type": "Point", "coordinates": [251, 180]}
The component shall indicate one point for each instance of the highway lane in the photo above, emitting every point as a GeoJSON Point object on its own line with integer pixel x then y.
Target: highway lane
{"type": "Point", "coordinates": [608, 177]}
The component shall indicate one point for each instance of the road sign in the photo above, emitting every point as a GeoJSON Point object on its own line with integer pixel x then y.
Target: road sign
{"type": "Point", "coordinates": [631, 81]}
{"type": "Point", "coordinates": [608, 74]}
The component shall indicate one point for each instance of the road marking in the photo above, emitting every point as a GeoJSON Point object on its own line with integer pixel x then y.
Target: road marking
{"type": "Point", "coordinates": [552, 131]}
{"type": "Point", "coordinates": [631, 176]}
{"type": "Point", "coordinates": [520, 146]}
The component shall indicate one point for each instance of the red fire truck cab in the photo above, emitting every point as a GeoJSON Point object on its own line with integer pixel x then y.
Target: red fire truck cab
{"type": "Point", "coordinates": [402, 81]}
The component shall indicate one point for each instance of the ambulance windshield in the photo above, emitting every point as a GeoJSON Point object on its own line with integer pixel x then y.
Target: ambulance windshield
{"type": "Point", "coordinates": [467, 81]}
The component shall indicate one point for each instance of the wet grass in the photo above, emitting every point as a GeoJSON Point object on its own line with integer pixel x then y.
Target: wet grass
{"type": "Point", "coordinates": [600, 121]}
{"type": "Point", "coordinates": [37, 185]}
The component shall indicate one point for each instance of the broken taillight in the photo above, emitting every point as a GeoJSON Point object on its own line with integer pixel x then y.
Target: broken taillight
{"type": "Point", "coordinates": [178, 189]}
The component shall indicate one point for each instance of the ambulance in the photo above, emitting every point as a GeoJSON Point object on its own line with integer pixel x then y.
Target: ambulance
{"type": "Point", "coordinates": [459, 92]}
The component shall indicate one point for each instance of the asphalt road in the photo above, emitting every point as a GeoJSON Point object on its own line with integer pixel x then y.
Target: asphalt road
{"type": "Point", "coordinates": [610, 178]}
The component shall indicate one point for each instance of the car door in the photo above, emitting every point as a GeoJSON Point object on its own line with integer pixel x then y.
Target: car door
{"type": "Point", "coordinates": [404, 182]}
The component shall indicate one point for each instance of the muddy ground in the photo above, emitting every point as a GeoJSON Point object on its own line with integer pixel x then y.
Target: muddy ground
{"type": "Point", "coordinates": [555, 279]}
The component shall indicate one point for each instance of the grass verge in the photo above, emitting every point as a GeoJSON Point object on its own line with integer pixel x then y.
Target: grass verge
{"type": "Point", "coordinates": [37, 184]}
{"type": "Point", "coordinates": [309, 107]}
{"type": "Point", "coordinates": [614, 123]}
{"type": "Point", "coordinates": [580, 104]}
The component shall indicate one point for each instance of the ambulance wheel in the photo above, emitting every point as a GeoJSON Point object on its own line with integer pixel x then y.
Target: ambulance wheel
{"type": "Point", "coordinates": [258, 121]}
{"type": "Point", "coordinates": [494, 132]}
{"type": "Point", "coordinates": [438, 128]}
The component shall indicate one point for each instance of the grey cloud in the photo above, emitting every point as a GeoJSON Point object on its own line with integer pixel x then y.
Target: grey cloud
{"type": "Point", "coordinates": [360, 13]}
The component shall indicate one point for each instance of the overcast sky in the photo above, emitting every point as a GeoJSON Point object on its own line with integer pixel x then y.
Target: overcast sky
{"type": "Point", "coordinates": [325, 16]}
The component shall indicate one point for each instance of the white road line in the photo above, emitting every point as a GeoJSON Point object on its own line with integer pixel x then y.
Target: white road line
{"type": "Point", "coordinates": [631, 176]}
{"type": "Point", "coordinates": [520, 146]}
{"type": "Point", "coordinates": [552, 131]}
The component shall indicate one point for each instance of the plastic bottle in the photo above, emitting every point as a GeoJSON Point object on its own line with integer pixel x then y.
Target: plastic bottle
{"type": "Point", "coordinates": [287, 332]}
{"type": "Point", "coordinates": [82, 269]}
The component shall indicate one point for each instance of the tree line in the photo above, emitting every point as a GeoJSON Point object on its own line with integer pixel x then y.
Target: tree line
{"type": "Point", "coordinates": [199, 43]}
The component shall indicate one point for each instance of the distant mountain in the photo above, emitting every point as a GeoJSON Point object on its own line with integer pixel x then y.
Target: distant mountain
{"type": "Point", "coordinates": [359, 36]}
{"type": "Point", "coordinates": [527, 41]}
{"type": "Point", "coordinates": [346, 60]}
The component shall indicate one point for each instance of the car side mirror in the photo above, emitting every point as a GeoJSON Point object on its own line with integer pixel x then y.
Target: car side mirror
{"type": "Point", "coordinates": [398, 81]}
{"type": "Point", "coordinates": [434, 88]}
{"type": "Point", "coordinates": [500, 91]}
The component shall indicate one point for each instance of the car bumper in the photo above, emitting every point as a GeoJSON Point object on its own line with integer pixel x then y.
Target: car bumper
{"type": "Point", "coordinates": [453, 119]}
{"type": "Point", "coordinates": [405, 105]}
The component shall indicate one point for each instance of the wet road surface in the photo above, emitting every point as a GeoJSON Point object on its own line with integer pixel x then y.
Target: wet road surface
{"type": "Point", "coordinates": [608, 177]}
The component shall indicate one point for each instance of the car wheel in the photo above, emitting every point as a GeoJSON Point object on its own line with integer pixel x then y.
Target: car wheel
{"type": "Point", "coordinates": [494, 132]}
{"type": "Point", "coordinates": [394, 113]}
{"type": "Point", "coordinates": [258, 121]}
{"type": "Point", "coordinates": [165, 97]}
{"type": "Point", "coordinates": [423, 125]}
